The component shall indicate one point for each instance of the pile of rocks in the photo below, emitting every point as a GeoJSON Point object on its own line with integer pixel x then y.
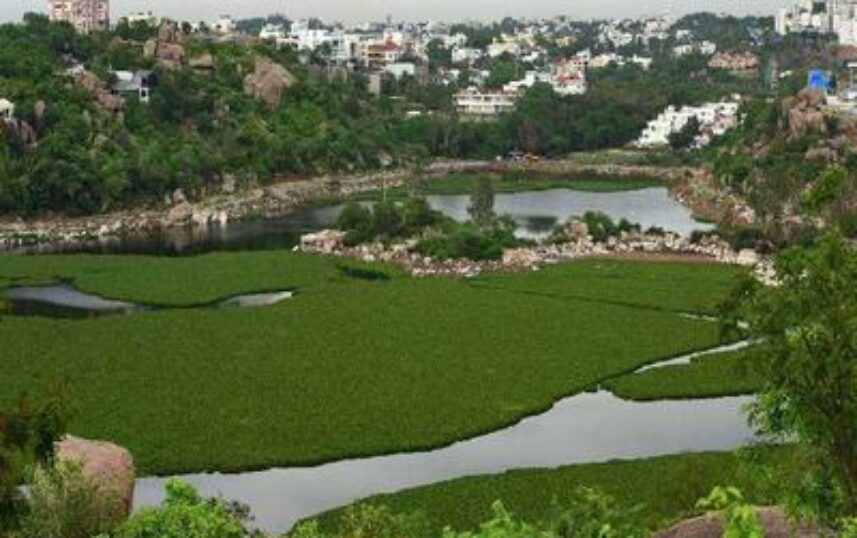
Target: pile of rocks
{"type": "Point", "coordinates": [579, 245]}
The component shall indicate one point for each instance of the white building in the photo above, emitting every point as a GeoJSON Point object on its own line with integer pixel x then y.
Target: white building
{"type": "Point", "coordinates": [499, 48]}
{"type": "Point", "coordinates": [272, 32]}
{"type": "Point", "coordinates": [149, 18]}
{"type": "Point", "coordinates": [466, 55]}
{"type": "Point", "coordinates": [401, 69]}
{"type": "Point", "coordinates": [7, 110]}
{"type": "Point", "coordinates": [85, 15]}
{"type": "Point", "coordinates": [714, 120]}
{"type": "Point", "coordinates": [473, 102]}
{"type": "Point", "coordinates": [225, 25]}
{"type": "Point", "coordinates": [706, 48]}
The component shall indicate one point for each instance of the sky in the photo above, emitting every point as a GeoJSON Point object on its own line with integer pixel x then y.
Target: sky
{"type": "Point", "coordinates": [350, 11]}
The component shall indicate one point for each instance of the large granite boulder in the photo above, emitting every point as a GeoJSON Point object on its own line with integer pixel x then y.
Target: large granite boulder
{"type": "Point", "coordinates": [773, 520]}
{"type": "Point", "coordinates": [268, 81]}
{"type": "Point", "coordinates": [108, 466]}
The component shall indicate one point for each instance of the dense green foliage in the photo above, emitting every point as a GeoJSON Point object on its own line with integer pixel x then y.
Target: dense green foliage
{"type": "Point", "coordinates": [807, 358]}
{"type": "Point", "coordinates": [201, 128]}
{"type": "Point", "coordinates": [63, 503]}
{"type": "Point", "coordinates": [198, 128]}
{"type": "Point", "coordinates": [299, 395]}
{"type": "Point", "coordinates": [652, 493]}
{"type": "Point", "coordinates": [184, 514]}
{"type": "Point", "coordinates": [27, 436]}
{"type": "Point", "coordinates": [708, 376]}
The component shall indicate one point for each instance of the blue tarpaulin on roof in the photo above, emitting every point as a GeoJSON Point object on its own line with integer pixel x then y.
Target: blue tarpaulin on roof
{"type": "Point", "coordinates": [818, 79]}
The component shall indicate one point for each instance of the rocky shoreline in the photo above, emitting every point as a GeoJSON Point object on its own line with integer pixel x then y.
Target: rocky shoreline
{"type": "Point", "coordinates": [231, 204]}
{"type": "Point", "coordinates": [576, 245]}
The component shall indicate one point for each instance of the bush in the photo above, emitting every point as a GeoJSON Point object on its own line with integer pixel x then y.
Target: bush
{"type": "Point", "coordinates": [740, 517]}
{"type": "Point", "coordinates": [387, 220]}
{"type": "Point", "coordinates": [601, 227]}
{"type": "Point", "coordinates": [64, 504]}
{"type": "Point", "coordinates": [468, 241]}
{"type": "Point", "coordinates": [184, 514]}
{"type": "Point", "coordinates": [418, 215]}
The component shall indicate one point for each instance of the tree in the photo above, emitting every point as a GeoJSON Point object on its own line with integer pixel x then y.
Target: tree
{"type": "Point", "coordinates": [807, 332]}
{"type": "Point", "coordinates": [684, 137]}
{"type": "Point", "coordinates": [27, 437]}
{"type": "Point", "coordinates": [481, 209]}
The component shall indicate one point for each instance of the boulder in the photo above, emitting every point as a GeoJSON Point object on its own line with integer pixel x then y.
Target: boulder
{"type": "Point", "coordinates": [576, 230]}
{"type": "Point", "coordinates": [267, 81]}
{"type": "Point", "coordinates": [326, 241]}
{"type": "Point", "coordinates": [747, 258]}
{"type": "Point", "coordinates": [180, 214]}
{"type": "Point", "coordinates": [108, 466]}
{"type": "Point", "coordinates": [520, 257]}
{"type": "Point", "coordinates": [773, 520]}
{"type": "Point", "coordinates": [178, 197]}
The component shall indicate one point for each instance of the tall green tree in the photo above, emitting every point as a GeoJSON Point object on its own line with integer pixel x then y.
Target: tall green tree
{"type": "Point", "coordinates": [807, 330]}
{"type": "Point", "coordinates": [481, 209]}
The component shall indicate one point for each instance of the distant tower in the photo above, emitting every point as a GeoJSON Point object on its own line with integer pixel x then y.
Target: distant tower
{"type": "Point", "coordinates": [85, 15]}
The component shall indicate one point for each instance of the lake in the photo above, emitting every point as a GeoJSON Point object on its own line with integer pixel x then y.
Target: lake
{"type": "Point", "coordinates": [535, 212]}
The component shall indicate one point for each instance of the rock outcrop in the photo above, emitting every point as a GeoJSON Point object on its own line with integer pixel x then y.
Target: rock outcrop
{"type": "Point", "coordinates": [268, 81]}
{"type": "Point", "coordinates": [773, 520]}
{"type": "Point", "coordinates": [106, 101]}
{"type": "Point", "coordinates": [108, 466]}
{"type": "Point", "coordinates": [803, 113]}
{"type": "Point", "coordinates": [166, 48]}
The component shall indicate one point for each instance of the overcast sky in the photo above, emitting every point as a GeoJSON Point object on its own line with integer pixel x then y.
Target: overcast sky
{"type": "Point", "coordinates": [362, 10]}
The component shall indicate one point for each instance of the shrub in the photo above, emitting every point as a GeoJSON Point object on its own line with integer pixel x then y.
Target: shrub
{"type": "Point", "coordinates": [593, 514]}
{"type": "Point", "coordinates": [354, 216]}
{"type": "Point", "coordinates": [387, 220]}
{"type": "Point", "coordinates": [601, 227]}
{"type": "Point", "coordinates": [418, 214]}
{"type": "Point", "coordinates": [470, 242]}
{"type": "Point", "coordinates": [64, 504]}
{"type": "Point", "coordinates": [184, 514]}
{"type": "Point", "coordinates": [27, 437]}
{"type": "Point", "coordinates": [739, 517]}
{"type": "Point", "coordinates": [503, 525]}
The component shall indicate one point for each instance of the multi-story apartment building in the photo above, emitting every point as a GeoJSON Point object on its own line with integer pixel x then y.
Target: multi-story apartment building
{"type": "Point", "coordinates": [473, 102]}
{"type": "Point", "coordinates": [85, 15]}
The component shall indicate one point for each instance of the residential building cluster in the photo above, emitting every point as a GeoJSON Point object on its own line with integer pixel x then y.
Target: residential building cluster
{"type": "Point", "coordinates": [837, 17]}
{"type": "Point", "coordinates": [714, 120]}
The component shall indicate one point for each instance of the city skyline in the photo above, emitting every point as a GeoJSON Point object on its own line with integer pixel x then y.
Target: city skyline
{"type": "Point", "coordinates": [443, 10]}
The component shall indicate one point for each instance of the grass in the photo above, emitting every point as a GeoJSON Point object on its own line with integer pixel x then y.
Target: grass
{"type": "Point", "coordinates": [665, 489]}
{"type": "Point", "coordinates": [709, 376]}
{"type": "Point", "coordinates": [349, 367]}
{"type": "Point", "coordinates": [505, 183]}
